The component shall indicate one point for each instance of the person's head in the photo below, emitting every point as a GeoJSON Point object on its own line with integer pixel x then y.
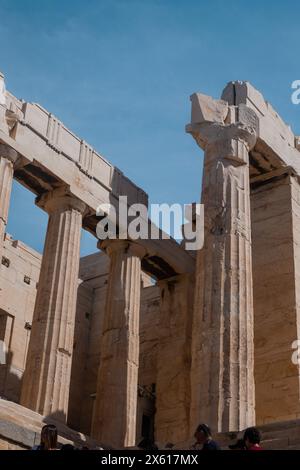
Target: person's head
{"type": "Point", "coordinates": [251, 437]}
{"type": "Point", "coordinates": [169, 445]}
{"type": "Point", "coordinates": [202, 433]}
{"type": "Point", "coordinates": [238, 445]}
{"type": "Point", "coordinates": [67, 447]}
{"type": "Point", "coordinates": [147, 444]}
{"type": "Point", "coordinates": [49, 437]}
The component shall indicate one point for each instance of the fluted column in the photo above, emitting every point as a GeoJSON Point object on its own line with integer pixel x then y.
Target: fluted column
{"type": "Point", "coordinates": [114, 419]}
{"type": "Point", "coordinates": [8, 158]}
{"type": "Point", "coordinates": [46, 380]}
{"type": "Point", "coordinates": [222, 378]}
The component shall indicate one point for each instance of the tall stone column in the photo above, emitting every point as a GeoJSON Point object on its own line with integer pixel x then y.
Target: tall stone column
{"type": "Point", "coordinates": [46, 380]}
{"type": "Point", "coordinates": [8, 158]}
{"type": "Point", "coordinates": [173, 366]}
{"type": "Point", "coordinates": [114, 418]}
{"type": "Point", "coordinates": [222, 379]}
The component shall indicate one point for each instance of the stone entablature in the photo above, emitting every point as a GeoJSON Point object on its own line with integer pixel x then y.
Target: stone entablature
{"type": "Point", "coordinates": [50, 155]}
{"type": "Point", "coordinates": [34, 120]}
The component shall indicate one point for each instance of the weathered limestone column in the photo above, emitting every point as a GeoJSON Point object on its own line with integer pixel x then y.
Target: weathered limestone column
{"type": "Point", "coordinates": [46, 380]}
{"type": "Point", "coordinates": [114, 418]}
{"type": "Point", "coordinates": [222, 379]}
{"type": "Point", "coordinates": [8, 158]}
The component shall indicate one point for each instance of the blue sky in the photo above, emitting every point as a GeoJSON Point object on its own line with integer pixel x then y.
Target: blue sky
{"type": "Point", "coordinates": [119, 74]}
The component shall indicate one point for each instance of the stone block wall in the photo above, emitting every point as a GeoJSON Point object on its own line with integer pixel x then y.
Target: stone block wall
{"type": "Point", "coordinates": [19, 273]}
{"type": "Point", "coordinates": [276, 255]}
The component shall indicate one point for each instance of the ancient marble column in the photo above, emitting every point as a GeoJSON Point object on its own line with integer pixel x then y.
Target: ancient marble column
{"type": "Point", "coordinates": [45, 386]}
{"type": "Point", "coordinates": [8, 158]}
{"type": "Point", "coordinates": [173, 365]}
{"type": "Point", "coordinates": [114, 417]}
{"type": "Point", "coordinates": [222, 376]}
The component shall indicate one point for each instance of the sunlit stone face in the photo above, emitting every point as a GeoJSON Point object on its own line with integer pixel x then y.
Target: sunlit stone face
{"type": "Point", "coordinates": [2, 90]}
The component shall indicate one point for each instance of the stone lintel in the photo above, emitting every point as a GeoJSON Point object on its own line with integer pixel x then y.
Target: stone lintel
{"type": "Point", "coordinates": [263, 178]}
{"type": "Point", "coordinates": [33, 149]}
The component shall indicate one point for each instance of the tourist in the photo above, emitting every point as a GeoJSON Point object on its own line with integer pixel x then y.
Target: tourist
{"type": "Point", "coordinates": [252, 438]}
{"type": "Point", "coordinates": [239, 445]}
{"type": "Point", "coordinates": [147, 444]}
{"type": "Point", "coordinates": [204, 438]}
{"type": "Point", "coordinates": [67, 447]}
{"type": "Point", "coordinates": [48, 438]}
{"type": "Point", "coordinates": [169, 445]}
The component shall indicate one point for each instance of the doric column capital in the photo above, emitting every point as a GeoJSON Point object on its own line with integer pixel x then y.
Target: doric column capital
{"type": "Point", "coordinates": [233, 143]}
{"type": "Point", "coordinates": [60, 199]}
{"type": "Point", "coordinates": [9, 153]}
{"type": "Point", "coordinates": [223, 130]}
{"type": "Point", "coordinates": [127, 246]}
{"type": "Point", "coordinates": [212, 133]}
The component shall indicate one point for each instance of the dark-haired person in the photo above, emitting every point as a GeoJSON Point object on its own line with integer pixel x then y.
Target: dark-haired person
{"type": "Point", "coordinates": [239, 445]}
{"type": "Point", "coordinates": [48, 438]}
{"type": "Point", "coordinates": [147, 444]}
{"type": "Point", "coordinates": [67, 447]}
{"type": "Point", "coordinates": [204, 438]}
{"type": "Point", "coordinates": [252, 438]}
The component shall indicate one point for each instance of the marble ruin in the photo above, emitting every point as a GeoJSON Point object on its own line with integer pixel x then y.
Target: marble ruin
{"type": "Point", "coordinates": [144, 338]}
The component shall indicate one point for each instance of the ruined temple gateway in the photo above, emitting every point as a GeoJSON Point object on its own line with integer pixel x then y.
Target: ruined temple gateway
{"type": "Point", "coordinates": [95, 345]}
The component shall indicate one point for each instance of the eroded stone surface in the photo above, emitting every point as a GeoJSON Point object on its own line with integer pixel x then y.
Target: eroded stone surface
{"type": "Point", "coordinates": [45, 385]}
{"type": "Point", "coordinates": [114, 416]}
{"type": "Point", "coordinates": [223, 311]}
